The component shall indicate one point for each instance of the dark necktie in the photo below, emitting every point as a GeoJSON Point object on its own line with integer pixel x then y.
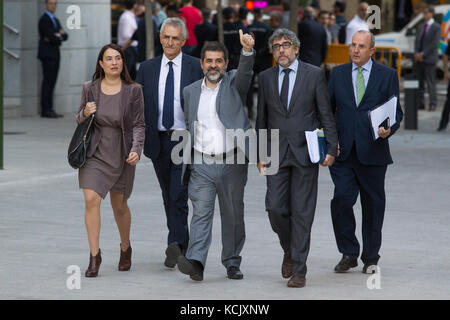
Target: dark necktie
{"type": "Point", "coordinates": [422, 39]}
{"type": "Point", "coordinates": [285, 88]}
{"type": "Point", "coordinates": [167, 119]}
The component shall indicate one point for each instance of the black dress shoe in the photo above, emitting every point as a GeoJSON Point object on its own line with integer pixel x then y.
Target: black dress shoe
{"type": "Point", "coordinates": [49, 115]}
{"type": "Point", "coordinates": [234, 273]}
{"type": "Point", "coordinates": [296, 281]}
{"type": "Point", "coordinates": [193, 268]}
{"type": "Point", "coordinates": [441, 129]}
{"type": "Point", "coordinates": [370, 267]}
{"type": "Point", "coordinates": [345, 264]}
{"type": "Point", "coordinates": [57, 114]}
{"type": "Point", "coordinates": [173, 251]}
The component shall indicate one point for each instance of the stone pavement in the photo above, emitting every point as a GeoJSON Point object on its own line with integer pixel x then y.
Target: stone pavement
{"type": "Point", "coordinates": [42, 229]}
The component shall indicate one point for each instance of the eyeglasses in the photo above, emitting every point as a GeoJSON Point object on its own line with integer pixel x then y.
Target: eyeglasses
{"type": "Point", "coordinates": [285, 45]}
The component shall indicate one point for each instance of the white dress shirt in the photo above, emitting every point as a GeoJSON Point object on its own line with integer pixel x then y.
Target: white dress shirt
{"type": "Point", "coordinates": [355, 25]}
{"type": "Point", "coordinates": [365, 72]}
{"type": "Point", "coordinates": [210, 135]}
{"type": "Point", "coordinates": [126, 27]}
{"type": "Point", "coordinates": [178, 113]}
{"type": "Point", "coordinates": [292, 77]}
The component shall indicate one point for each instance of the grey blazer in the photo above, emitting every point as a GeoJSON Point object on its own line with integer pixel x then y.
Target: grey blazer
{"type": "Point", "coordinates": [430, 43]}
{"type": "Point", "coordinates": [309, 108]}
{"type": "Point", "coordinates": [229, 103]}
{"type": "Point", "coordinates": [133, 124]}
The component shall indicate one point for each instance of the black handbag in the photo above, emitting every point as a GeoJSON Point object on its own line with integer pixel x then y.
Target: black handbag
{"type": "Point", "coordinates": [81, 140]}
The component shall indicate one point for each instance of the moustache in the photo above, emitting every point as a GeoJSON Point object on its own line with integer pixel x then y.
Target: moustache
{"type": "Point", "coordinates": [214, 69]}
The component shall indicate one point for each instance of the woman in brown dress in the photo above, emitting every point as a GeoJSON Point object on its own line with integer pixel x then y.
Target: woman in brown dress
{"type": "Point", "coordinates": [115, 149]}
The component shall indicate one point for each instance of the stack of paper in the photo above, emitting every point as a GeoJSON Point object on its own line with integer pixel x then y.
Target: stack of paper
{"type": "Point", "coordinates": [381, 113]}
{"type": "Point", "coordinates": [317, 147]}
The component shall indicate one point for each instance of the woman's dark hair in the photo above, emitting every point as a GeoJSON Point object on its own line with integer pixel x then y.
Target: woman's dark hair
{"type": "Point", "coordinates": [100, 74]}
{"type": "Point", "coordinates": [214, 46]}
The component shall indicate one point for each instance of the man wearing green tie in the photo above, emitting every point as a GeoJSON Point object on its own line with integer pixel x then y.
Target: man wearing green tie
{"type": "Point", "coordinates": [360, 168]}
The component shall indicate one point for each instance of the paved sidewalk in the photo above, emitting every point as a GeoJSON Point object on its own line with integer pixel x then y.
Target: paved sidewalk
{"type": "Point", "coordinates": [42, 229]}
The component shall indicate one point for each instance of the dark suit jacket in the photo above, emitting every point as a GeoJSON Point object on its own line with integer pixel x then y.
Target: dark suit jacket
{"type": "Point", "coordinates": [352, 122]}
{"type": "Point", "coordinates": [132, 108]}
{"type": "Point", "coordinates": [204, 32]}
{"type": "Point", "coordinates": [49, 49]}
{"type": "Point", "coordinates": [141, 36]}
{"type": "Point", "coordinates": [262, 33]}
{"type": "Point", "coordinates": [430, 43]}
{"type": "Point", "coordinates": [309, 109]}
{"type": "Point", "coordinates": [148, 76]}
{"type": "Point", "coordinates": [313, 42]}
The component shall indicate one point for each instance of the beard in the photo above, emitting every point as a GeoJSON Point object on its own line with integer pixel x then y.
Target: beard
{"type": "Point", "coordinates": [214, 78]}
{"type": "Point", "coordinates": [288, 63]}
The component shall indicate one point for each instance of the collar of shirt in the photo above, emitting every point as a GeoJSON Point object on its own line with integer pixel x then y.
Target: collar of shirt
{"type": "Point", "coordinates": [205, 87]}
{"type": "Point", "coordinates": [293, 67]}
{"type": "Point", "coordinates": [430, 22]}
{"type": "Point", "coordinates": [358, 19]}
{"type": "Point", "coordinates": [176, 61]}
{"type": "Point", "coordinates": [366, 67]}
{"type": "Point", "coordinates": [130, 13]}
{"type": "Point", "coordinates": [50, 14]}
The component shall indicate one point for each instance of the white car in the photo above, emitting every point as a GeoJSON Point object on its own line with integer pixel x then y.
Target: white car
{"type": "Point", "coordinates": [404, 39]}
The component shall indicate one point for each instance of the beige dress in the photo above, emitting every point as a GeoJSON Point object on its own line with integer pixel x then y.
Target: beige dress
{"type": "Point", "coordinates": [107, 169]}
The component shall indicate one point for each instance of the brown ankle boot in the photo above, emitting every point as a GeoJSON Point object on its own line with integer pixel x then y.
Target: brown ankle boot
{"type": "Point", "coordinates": [125, 259]}
{"type": "Point", "coordinates": [94, 265]}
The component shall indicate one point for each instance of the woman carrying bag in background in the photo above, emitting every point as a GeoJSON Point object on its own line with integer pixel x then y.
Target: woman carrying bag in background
{"type": "Point", "coordinates": [115, 149]}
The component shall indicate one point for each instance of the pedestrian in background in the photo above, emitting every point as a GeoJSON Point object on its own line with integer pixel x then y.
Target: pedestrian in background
{"type": "Point", "coordinates": [324, 19]}
{"type": "Point", "coordinates": [231, 37]}
{"type": "Point", "coordinates": [263, 58]}
{"type": "Point", "coordinates": [333, 28]}
{"type": "Point", "coordinates": [126, 27]}
{"type": "Point", "coordinates": [115, 149]}
{"type": "Point", "coordinates": [206, 31]}
{"type": "Point", "coordinates": [446, 111]}
{"type": "Point", "coordinates": [276, 20]}
{"type": "Point", "coordinates": [313, 38]}
{"type": "Point", "coordinates": [357, 23]}
{"type": "Point", "coordinates": [192, 17]}
{"type": "Point", "coordinates": [426, 57]}
{"type": "Point", "coordinates": [51, 34]}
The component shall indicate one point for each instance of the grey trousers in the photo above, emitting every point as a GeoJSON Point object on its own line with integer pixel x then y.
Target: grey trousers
{"type": "Point", "coordinates": [291, 203]}
{"type": "Point", "coordinates": [227, 181]}
{"type": "Point", "coordinates": [426, 73]}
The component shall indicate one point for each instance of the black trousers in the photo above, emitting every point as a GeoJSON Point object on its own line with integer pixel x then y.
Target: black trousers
{"type": "Point", "coordinates": [50, 68]}
{"type": "Point", "coordinates": [446, 110]}
{"type": "Point", "coordinates": [174, 193]}
{"type": "Point", "coordinates": [130, 61]}
{"type": "Point", "coordinates": [291, 204]}
{"type": "Point", "coordinates": [351, 177]}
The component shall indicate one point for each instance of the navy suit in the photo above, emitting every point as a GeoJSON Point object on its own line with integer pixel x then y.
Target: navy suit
{"type": "Point", "coordinates": [362, 164]}
{"type": "Point", "coordinates": [313, 42]}
{"type": "Point", "coordinates": [48, 53]}
{"type": "Point", "coordinates": [158, 145]}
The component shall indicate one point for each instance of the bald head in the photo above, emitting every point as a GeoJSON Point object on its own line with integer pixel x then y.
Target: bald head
{"type": "Point", "coordinates": [362, 10]}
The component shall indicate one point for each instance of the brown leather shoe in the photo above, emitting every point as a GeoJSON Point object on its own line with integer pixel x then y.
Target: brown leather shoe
{"type": "Point", "coordinates": [296, 281]}
{"type": "Point", "coordinates": [94, 265]}
{"type": "Point", "coordinates": [287, 266]}
{"type": "Point", "coordinates": [125, 259]}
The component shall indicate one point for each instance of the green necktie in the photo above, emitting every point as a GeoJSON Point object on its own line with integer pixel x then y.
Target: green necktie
{"type": "Point", "coordinates": [360, 87]}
